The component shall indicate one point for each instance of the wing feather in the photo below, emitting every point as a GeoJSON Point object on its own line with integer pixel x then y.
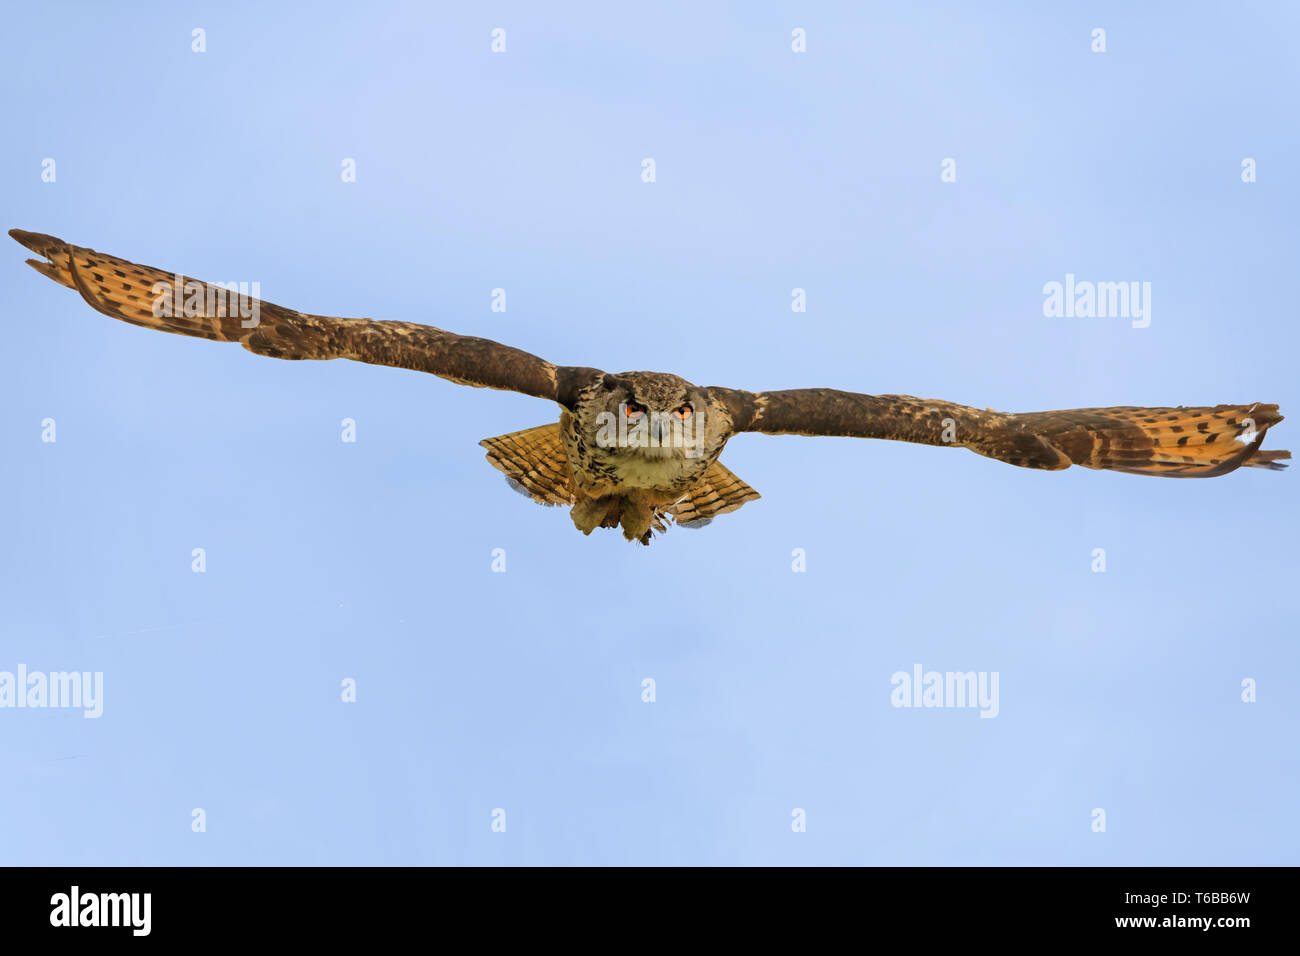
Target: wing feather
{"type": "Point", "coordinates": [149, 297]}
{"type": "Point", "coordinates": [1200, 442]}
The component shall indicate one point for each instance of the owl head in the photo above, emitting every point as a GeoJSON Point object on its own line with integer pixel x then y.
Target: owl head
{"type": "Point", "coordinates": [651, 413]}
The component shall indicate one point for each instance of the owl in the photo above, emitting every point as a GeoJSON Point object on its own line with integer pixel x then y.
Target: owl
{"type": "Point", "coordinates": [639, 450]}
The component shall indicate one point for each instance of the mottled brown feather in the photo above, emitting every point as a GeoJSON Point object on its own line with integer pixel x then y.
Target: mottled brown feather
{"type": "Point", "coordinates": [534, 459]}
{"type": "Point", "coordinates": [1173, 442]}
{"type": "Point", "coordinates": [125, 290]}
{"type": "Point", "coordinates": [717, 493]}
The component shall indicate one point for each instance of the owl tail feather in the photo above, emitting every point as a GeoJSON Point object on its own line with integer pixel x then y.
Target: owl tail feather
{"type": "Point", "coordinates": [534, 463]}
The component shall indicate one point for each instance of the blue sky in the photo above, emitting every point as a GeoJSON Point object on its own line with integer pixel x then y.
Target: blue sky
{"type": "Point", "coordinates": [522, 690]}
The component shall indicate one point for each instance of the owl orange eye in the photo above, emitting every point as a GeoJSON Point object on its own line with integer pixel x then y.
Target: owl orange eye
{"type": "Point", "coordinates": [684, 412]}
{"type": "Point", "coordinates": [633, 410]}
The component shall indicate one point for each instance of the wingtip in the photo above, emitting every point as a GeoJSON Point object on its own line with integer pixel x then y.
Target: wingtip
{"type": "Point", "coordinates": [38, 242]}
{"type": "Point", "coordinates": [1269, 412]}
{"type": "Point", "coordinates": [1274, 459]}
{"type": "Point", "coordinates": [42, 266]}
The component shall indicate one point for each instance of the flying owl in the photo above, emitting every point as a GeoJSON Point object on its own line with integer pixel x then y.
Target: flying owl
{"type": "Point", "coordinates": [639, 450]}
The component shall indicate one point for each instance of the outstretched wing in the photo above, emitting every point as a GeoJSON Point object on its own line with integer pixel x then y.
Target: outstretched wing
{"type": "Point", "coordinates": [1175, 442]}
{"type": "Point", "coordinates": [161, 300]}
